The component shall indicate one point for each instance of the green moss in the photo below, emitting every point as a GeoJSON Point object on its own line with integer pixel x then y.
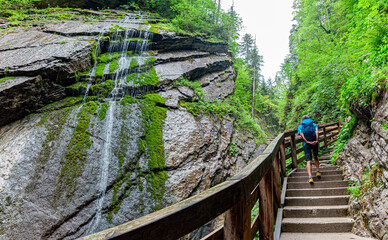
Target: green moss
{"type": "Point", "coordinates": [78, 86]}
{"type": "Point", "coordinates": [132, 77]}
{"type": "Point", "coordinates": [107, 88]}
{"type": "Point", "coordinates": [93, 51]}
{"type": "Point", "coordinates": [103, 109]}
{"type": "Point", "coordinates": [113, 66]}
{"type": "Point", "coordinates": [134, 63]}
{"type": "Point", "coordinates": [150, 60]}
{"type": "Point", "coordinates": [76, 154]}
{"type": "Point", "coordinates": [5, 79]}
{"type": "Point", "coordinates": [154, 28]}
{"type": "Point", "coordinates": [62, 42]}
{"type": "Point", "coordinates": [149, 78]}
{"type": "Point", "coordinates": [127, 100]}
{"type": "Point", "coordinates": [100, 70]}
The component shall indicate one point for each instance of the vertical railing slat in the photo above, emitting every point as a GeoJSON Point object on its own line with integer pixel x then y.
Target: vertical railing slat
{"type": "Point", "coordinates": [266, 206]}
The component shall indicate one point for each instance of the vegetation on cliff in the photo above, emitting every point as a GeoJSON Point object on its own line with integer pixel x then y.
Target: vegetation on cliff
{"type": "Point", "coordinates": [337, 61]}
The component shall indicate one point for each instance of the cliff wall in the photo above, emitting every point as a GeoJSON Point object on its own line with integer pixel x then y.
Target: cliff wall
{"type": "Point", "coordinates": [90, 140]}
{"type": "Point", "coordinates": [365, 164]}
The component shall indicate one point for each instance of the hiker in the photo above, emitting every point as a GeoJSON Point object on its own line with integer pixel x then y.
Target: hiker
{"type": "Point", "coordinates": [308, 130]}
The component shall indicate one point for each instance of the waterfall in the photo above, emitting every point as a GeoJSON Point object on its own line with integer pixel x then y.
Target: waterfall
{"type": "Point", "coordinates": [121, 44]}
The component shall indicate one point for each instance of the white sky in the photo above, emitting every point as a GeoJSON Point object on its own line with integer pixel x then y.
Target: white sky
{"type": "Point", "coordinates": [270, 21]}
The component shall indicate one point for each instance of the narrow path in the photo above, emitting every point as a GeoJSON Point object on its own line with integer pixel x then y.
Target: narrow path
{"type": "Point", "coordinates": [319, 210]}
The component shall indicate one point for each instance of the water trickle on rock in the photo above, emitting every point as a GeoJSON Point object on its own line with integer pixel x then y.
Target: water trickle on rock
{"type": "Point", "coordinates": [130, 50]}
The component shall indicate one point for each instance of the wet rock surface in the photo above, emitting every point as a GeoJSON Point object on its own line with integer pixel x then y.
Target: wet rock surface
{"type": "Point", "coordinates": [52, 162]}
{"type": "Point", "coordinates": [365, 160]}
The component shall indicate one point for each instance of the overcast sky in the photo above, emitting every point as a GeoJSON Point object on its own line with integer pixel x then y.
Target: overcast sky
{"type": "Point", "coordinates": [270, 21]}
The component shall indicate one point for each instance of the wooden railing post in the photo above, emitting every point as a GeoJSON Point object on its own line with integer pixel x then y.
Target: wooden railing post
{"type": "Point", "coordinates": [283, 159]}
{"type": "Point", "coordinates": [276, 183]}
{"type": "Point", "coordinates": [266, 207]}
{"type": "Point", "coordinates": [238, 222]}
{"type": "Point", "coordinates": [293, 152]}
{"type": "Point", "coordinates": [324, 137]}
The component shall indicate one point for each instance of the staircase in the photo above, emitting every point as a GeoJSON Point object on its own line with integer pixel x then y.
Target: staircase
{"type": "Point", "coordinates": [319, 210]}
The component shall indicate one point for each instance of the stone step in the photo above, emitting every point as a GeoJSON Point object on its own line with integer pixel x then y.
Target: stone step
{"type": "Point", "coordinates": [315, 211]}
{"type": "Point", "coordinates": [317, 225]}
{"type": "Point", "coordinates": [322, 168]}
{"type": "Point", "coordinates": [317, 184]}
{"type": "Point", "coordinates": [323, 178]}
{"type": "Point", "coordinates": [316, 192]}
{"type": "Point", "coordinates": [321, 236]}
{"type": "Point", "coordinates": [323, 172]}
{"type": "Point", "coordinates": [317, 201]}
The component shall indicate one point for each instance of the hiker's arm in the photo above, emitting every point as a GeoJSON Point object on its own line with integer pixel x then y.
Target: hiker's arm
{"type": "Point", "coordinates": [317, 136]}
{"type": "Point", "coordinates": [304, 139]}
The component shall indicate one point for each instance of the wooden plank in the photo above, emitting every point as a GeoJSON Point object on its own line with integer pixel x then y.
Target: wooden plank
{"type": "Point", "coordinates": [238, 222]}
{"type": "Point", "coordinates": [288, 155]}
{"type": "Point", "coordinates": [283, 159]}
{"type": "Point", "coordinates": [179, 219]}
{"type": "Point", "coordinates": [293, 151]}
{"type": "Point", "coordinates": [284, 190]}
{"type": "Point", "coordinates": [278, 225]}
{"type": "Point", "coordinates": [290, 132]}
{"type": "Point", "coordinates": [299, 150]}
{"type": "Point", "coordinates": [273, 147]}
{"type": "Point", "coordinates": [276, 183]}
{"type": "Point", "coordinates": [254, 226]}
{"type": "Point", "coordinates": [287, 144]}
{"type": "Point", "coordinates": [266, 207]}
{"type": "Point", "coordinates": [252, 174]}
{"type": "Point", "coordinates": [217, 234]}
{"type": "Point", "coordinates": [324, 138]}
{"type": "Point", "coordinates": [327, 124]}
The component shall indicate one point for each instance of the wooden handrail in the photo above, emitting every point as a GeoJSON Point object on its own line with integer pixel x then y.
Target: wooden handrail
{"type": "Point", "coordinates": [260, 180]}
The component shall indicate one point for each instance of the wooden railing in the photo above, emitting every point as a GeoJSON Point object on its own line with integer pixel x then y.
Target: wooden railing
{"type": "Point", "coordinates": [260, 181]}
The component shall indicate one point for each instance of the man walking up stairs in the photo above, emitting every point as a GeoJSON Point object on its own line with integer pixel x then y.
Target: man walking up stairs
{"type": "Point", "coordinates": [317, 211]}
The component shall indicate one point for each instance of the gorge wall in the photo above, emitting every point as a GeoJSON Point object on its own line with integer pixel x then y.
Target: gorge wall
{"type": "Point", "coordinates": [365, 163]}
{"type": "Point", "coordinates": [94, 129]}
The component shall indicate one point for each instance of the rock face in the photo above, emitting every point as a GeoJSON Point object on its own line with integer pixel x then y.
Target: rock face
{"type": "Point", "coordinates": [82, 164]}
{"type": "Point", "coordinates": [365, 162]}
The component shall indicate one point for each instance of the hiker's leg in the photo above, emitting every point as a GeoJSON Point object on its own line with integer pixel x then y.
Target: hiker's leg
{"type": "Point", "coordinates": [308, 158]}
{"type": "Point", "coordinates": [308, 166]}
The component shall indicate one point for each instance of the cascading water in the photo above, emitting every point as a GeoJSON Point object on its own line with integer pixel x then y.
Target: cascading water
{"type": "Point", "coordinates": [123, 45]}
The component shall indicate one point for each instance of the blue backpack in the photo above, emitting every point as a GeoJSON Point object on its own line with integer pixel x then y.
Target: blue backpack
{"type": "Point", "coordinates": [308, 130]}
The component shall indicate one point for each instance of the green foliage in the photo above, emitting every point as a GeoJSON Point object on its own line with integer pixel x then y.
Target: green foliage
{"type": "Point", "coordinates": [233, 149]}
{"type": "Point", "coordinates": [337, 62]}
{"type": "Point", "coordinates": [16, 4]}
{"type": "Point", "coordinates": [347, 131]}
{"type": "Point", "coordinates": [200, 17]}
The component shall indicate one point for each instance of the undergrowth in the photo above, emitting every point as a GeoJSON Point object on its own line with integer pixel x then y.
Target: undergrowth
{"type": "Point", "coordinates": [347, 131]}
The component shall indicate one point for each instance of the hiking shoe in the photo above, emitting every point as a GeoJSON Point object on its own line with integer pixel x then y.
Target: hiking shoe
{"type": "Point", "coordinates": [311, 180]}
{"type": "Point", "coordinates": [318, 174]}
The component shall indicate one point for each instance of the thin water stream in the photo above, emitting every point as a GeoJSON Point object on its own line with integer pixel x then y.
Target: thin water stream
{"type": "Point", "coordinates": [116, 94]}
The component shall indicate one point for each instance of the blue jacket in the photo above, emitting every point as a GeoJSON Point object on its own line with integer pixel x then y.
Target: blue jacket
{"type": "Point", "coordinates": [306, 121]}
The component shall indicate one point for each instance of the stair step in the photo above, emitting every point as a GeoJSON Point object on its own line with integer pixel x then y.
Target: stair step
{"type": "Point", "coordinates": [315, 211]}
{"type": "Point", "coordinates": [323, 178]}
{"type": "Point", "coordinates": [317, 225]}
{"type": "Point", "coordinates": [323, 168]}
{"type": "Point", "coordinates": [321, 236]}
{"type": "Point", "coordinates": [317, 184]}
{"type": "Point", "coordinates": [323, 172]}
{"type": "Point", "coordinates": [316, 192]}
{"type": "Point", "coordinates": [317, 201]}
